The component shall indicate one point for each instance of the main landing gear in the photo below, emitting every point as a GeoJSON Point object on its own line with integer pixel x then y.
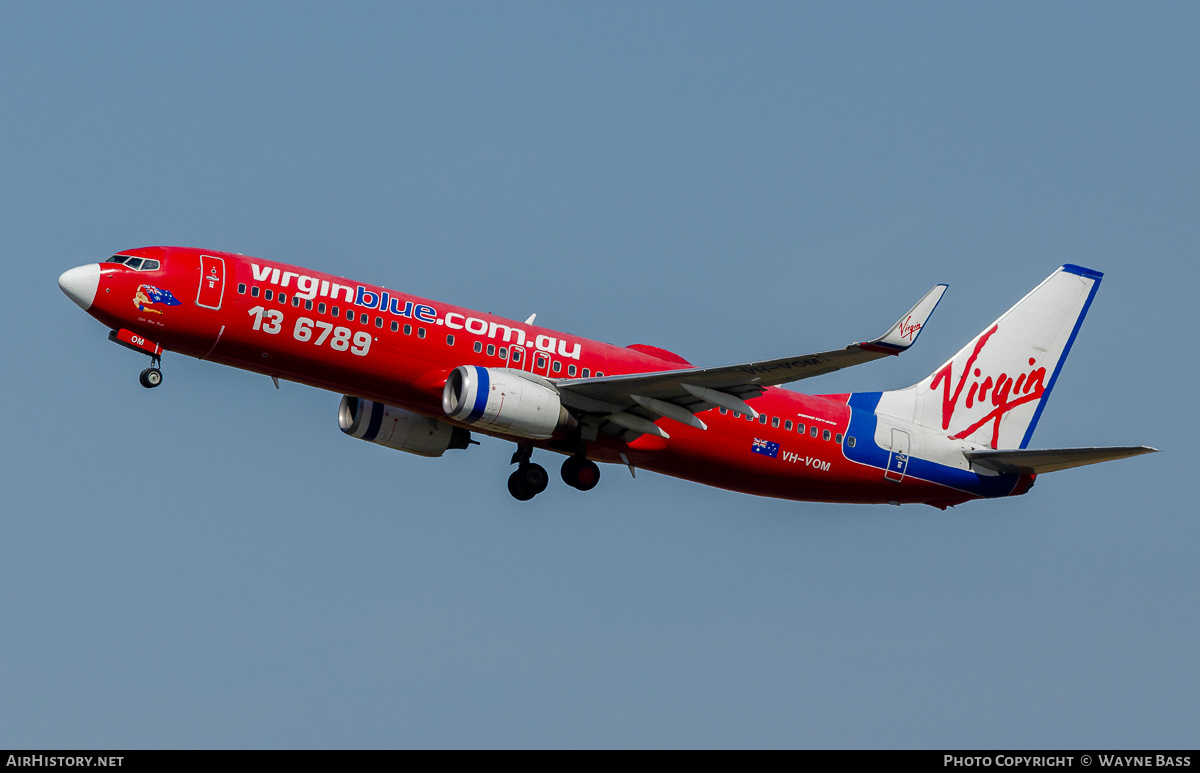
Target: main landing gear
{"type": "Point", "coordinates": [530, 479]}
{"type": "Point", "coordinates": [151, 376]}
{"type": "Point", "coordinates": [580, 472]}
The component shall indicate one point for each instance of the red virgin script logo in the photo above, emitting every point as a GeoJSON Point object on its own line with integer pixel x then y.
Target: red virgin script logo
{"type": "Point", "coordinates": [909, 331]}
{"type": "Point", "coordinates": [1002, 393]}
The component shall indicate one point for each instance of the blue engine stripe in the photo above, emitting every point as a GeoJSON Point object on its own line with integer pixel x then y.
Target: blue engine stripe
{"type": "Point", "coordinates": [481, 393]}
{"type": "Point", "coordinates": [1066, 350]}
{"type": "Point", "coordinates": [376, 421]}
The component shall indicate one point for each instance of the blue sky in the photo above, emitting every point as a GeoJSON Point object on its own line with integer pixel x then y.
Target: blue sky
{"type": "Point", "coordinates": [212, 564]}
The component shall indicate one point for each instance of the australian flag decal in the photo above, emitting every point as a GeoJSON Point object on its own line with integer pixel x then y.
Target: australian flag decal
{"type": "Point", "coordinates": [157, 295]}
{"type": "Point", "coordinates": [765, 447]}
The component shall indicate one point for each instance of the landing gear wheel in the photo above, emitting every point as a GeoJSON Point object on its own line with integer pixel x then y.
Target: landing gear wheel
{"type": "Point", "coordinates": [528, 481]}
{"type": "Point", "coordinates": [150, 378]}
{"type": "Point", "coordinates": [581, 473]}
{"type": "Point", "coordinates": [516, 487]}
{"type": "Point", "coordinates": [535, 477]}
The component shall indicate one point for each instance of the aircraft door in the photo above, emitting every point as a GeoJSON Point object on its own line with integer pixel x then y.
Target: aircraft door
{"type": "Point", "coordinates": [212, 282]}
{"type": "Point", "coordinates": [518, 358]}
{"type": "Point", "coordinates": [541, 363]}
{"type": "Point", "coordinates": [898, 458]}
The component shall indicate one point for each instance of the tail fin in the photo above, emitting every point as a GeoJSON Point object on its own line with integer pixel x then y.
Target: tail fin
{"type": "Point", "coordinates": [993, 391]}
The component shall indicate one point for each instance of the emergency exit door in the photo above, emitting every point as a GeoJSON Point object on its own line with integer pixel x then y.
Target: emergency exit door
{"type": "Point", "coordinates": [898, 459]}
{"type": "Point", "coordinates": [212, 282]}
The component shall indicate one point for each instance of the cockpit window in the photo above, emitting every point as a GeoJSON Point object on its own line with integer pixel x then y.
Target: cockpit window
{"type": "Point", "coordinates": [137, 264]}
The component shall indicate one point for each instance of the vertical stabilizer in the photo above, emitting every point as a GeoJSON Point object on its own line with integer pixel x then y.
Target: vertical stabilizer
{"type": "Point", "coordinates": [993, 391]}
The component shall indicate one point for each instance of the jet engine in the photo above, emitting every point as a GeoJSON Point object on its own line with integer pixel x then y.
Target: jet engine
{"type": "Point", "coordinates": [397, 428]}
{"type": "Point", "coordinates": [504, 401]}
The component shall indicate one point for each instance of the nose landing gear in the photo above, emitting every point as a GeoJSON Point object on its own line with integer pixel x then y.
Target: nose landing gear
{"type": "Point", "coordinates": [151, 376]}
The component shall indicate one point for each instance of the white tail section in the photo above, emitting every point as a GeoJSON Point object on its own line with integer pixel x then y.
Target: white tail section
{"type": "Point", "coordinates": [993, 391]}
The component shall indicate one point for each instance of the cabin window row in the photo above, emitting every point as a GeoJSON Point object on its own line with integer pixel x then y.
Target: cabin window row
{"type": "Point", "coordinates": [365, 319]}
{"type": "Point", "coordinates": [335, 311]}
{"type": "Point", "coordinates": [540, 362]}
{"type": "Point", "coordinates": [812, 430]}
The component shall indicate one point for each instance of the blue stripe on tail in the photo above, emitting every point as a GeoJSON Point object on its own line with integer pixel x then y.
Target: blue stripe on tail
{"type": "Point", "coordinates": [864, 422]}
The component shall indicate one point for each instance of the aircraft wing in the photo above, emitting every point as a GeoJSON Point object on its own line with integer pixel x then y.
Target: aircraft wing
{"type": "Point", "coordinates": [679, 394]}
{"type": "Point", "coordinates": [1039, 460]}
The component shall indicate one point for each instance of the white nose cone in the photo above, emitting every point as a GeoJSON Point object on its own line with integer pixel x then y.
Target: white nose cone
{"type": "Point", "coordinates": [80, 284]}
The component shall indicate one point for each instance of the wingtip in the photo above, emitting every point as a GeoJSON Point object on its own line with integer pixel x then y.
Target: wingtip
{"type": "Point", "coordinates": [1072, 268]}
{"type": "Point", "coordinates": [904, 333]}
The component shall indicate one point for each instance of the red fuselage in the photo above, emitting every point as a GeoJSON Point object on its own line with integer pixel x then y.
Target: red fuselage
{"type": "Point", "coordinates": [390, 347]}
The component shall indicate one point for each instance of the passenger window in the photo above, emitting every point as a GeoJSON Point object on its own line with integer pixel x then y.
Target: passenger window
{"type": "Point", "coordinates": [408, 330]}
{"type": "Point", "coordinates": [800, 428]}
{"type": "Point", "coordinates": [556, 367]}
{"type": "Point", "coordinates": [749, 417]}
{"type": "Point", "coordinates": [813, 431]}
{"type": "Point", "coordinates": [241, 288]}
{"type": "Point", "coordinates": [762, 419]}
{"type": "Point", "coordinates": [420, 332]}
{"type": "Point", "coordinates": [320, 308]}
{"type": "Point", "coordinates": [253, 292]}
{"type": "Point", "coordinates": [308, 305]}
{"type": "Point", "coordinates": [735, 414]}
{"type": "Point", "coordinates": [850, 441]}
{"type": "Point", "coordinates": [350, 315]}
{"type": "Point", "coordinates": [825, 435]}
{"type": "Point", "coordinates": [516, 356]}
{"type": "Point", "coordinates": [395, 326]}
{"type": "Point", "coordinates": [379, 323]}
{"type": "Point", "coordinates": [296, 301]}
{"type": "Point", "coordinates": [571, 370]}
{"type": "Point", "coordinates": [599, 374]}
{"type": "Point", "coordinates": [585, 373]}
{"type": "Point", "coordinates": [269, 294]}
{"type": "Point", "coordinates": [837, 438]}
{"type": "Point", "coordinates": [491, 350]}
{"type": "Point", "coordinates": [364, 319]}
{"type": "Point", "coordinates": [504, 352]}
{"type": "Point", "coordinates": [450, 340]}
{"type": "Point", "coordinates": [774, 421]}
{"type": "Point", "coordinates": [541, 361]}
{"type": "Point", "coordinates": [478, 347]}
{"type": "Point", "coordinates": [335, 311]}
{"type": "Point", "coordinates": [787, 425]}
{"type": "Point", "coordinates": [283, 298]}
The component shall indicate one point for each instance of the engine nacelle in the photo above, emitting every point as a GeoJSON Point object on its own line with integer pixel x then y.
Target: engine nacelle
{"type": "Point", "coordinates": [397, 428]}
{"type": "Point", "coordinates": [503, 401]}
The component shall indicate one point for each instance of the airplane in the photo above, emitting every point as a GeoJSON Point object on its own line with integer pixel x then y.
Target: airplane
{"type": "Point", "coordinates": [421, 376]}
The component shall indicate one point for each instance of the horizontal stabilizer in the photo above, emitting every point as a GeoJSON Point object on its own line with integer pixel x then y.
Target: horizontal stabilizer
{"type": "Point", "coordinates": [1027, 460]}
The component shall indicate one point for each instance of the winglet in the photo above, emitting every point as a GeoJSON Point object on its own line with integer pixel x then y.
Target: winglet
{"type": "Point", "coordinates": [904, 333]}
